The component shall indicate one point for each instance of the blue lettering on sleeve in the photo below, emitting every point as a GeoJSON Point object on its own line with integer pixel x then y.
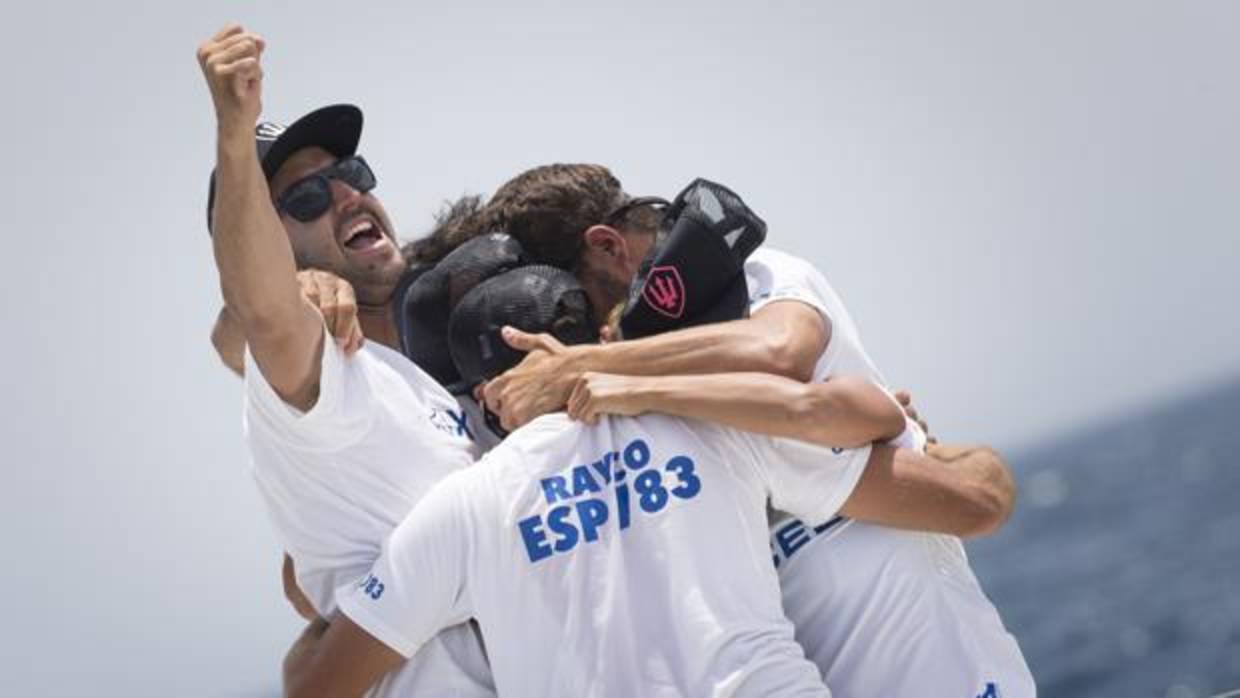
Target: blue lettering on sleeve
{"type": "Point", "coordinates": [593, 513]}
{"type": "Point", "coordinates": [534, 537]}
{"type": "Point", "coordinates": [371, 586]}
{"type": "Point", "coordinates": [557, 522]}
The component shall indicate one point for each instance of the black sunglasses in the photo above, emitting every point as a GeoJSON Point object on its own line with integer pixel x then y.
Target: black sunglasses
{"type": "Point", "coordinates": [311, 196]}
{"type": "Point", "coordinates": [617, 214]}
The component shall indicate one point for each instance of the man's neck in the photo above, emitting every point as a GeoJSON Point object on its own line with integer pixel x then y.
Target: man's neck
{"type": "Point", "coordinates": [378, 324]}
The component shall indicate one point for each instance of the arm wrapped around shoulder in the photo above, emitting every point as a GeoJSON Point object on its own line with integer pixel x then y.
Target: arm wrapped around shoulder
{"type": "Point", "coordinates": [957, 490]}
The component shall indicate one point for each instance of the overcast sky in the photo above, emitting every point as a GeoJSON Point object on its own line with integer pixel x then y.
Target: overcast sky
{"type": "Point", "coordinates": [1030, 208]}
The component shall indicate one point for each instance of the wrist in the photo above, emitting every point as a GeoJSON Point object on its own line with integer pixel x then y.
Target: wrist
{"type": "Point", "coordinates": [234, 139]}
{"type": "Point", "coordinates": [577, 359]}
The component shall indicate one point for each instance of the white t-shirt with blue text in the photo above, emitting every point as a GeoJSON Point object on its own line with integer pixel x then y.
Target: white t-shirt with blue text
{"type": "Point", "coordinates": [338, 478]}
{"type": "Point", "coordinates": [881, 612]}
{"type": "Point", "coordinates": [628, 558]}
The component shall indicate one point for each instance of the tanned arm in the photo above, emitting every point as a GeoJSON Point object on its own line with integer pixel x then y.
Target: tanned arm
{"type": "Point", "coordinates": [958, 490]}
{"type": "Point", "coordinates": [252, 252]}
{"type": "Point", "coordinates": [783, 338]}
{"type": "Point", "coordinates": [337, 659]}
{"type": "Point", "coordinates": [844, 412]}
{"type": "Point", "coordinates": [965, 491]}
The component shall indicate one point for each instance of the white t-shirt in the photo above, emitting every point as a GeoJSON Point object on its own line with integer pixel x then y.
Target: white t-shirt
{"type": "Point", "coordinates": [629, 558]}
{"type": "Point", "coordinates": [882, 612]}
{"type": "Point", "coordinates": [338, 478]}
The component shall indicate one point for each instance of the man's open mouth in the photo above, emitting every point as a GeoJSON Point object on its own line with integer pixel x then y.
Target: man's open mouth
{"type": "Point", "coordinates": [363, 233]}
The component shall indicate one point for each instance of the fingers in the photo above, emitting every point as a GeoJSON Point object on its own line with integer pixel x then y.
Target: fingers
{"type": "Point", "coordinates": [230, 60]}
{"type": "Point", "coordinates": [904, 398]}
{"type": "Point", "coordinates": [507, 421]}
{"type": "Point", "coordinates": [217, 55]}
{"type": "Point", "coordinates": [335, 300]}
{"type": "Point", "coordinates": [492, 394]}
{"type": "Point", "coordinates": [576, 400]}
{"type": "Point", "coordinates": [346, 313]}
{"type": "Point", "coordinates": [584, 403]}
{"type": "Point", "coordinates": [253, 44]}
{"type": "Point", "coordinates": [524, 341]}
{"type": "Point", "coordinates": [228, 30]}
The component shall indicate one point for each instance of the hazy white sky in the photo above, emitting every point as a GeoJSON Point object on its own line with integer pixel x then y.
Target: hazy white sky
{"type": "Point", "coordinates": [1031, 209]}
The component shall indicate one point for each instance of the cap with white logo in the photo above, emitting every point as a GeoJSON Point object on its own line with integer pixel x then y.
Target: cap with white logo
{"type": "Point", "coordinates": [336, 129]}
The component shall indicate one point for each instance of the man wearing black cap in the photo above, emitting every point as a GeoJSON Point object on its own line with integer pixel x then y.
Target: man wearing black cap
{"type": "Point", "coordinates": [342, 447]}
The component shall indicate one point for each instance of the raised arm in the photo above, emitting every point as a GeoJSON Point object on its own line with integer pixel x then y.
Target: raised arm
{"type": "Point", "coordinates": [965, 491]}
{"type": "Point", "coordinates": [783, 338]}
{"type": "Point", "coordinates": [844, 412]}
{"type": "Point", "coordinates": [252, 251]}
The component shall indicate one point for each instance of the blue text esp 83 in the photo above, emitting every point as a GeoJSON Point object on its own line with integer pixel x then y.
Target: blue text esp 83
{"type": "Point", "coordinates": [580, 505]}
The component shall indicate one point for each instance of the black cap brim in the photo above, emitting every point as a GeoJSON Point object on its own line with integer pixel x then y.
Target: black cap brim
{"type": "Point", "coordinates": [336, 129]}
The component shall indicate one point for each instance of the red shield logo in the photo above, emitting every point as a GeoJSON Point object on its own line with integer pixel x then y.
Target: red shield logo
{"type": "Point", "coordinates": [665, 292]}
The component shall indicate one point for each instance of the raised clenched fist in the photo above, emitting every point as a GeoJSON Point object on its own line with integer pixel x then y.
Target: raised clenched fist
{"type": "Point", "coordinates": [231, 64]}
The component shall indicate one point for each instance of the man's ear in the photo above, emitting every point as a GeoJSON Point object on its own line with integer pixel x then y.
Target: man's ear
{"type": "Point", "coordinates": [605, 240]}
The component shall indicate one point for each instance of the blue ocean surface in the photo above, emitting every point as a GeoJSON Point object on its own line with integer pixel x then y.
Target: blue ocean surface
{"type": "Point", "coordinates": [1119, 573]}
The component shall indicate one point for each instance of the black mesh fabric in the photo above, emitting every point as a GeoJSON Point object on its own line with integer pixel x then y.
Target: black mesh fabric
{"type": "Point", "coordinates": [535, 298]}
{"type": "Point", "coordinates": [695, 272]}
{"type": "Point", "coordinates": [428, 302]}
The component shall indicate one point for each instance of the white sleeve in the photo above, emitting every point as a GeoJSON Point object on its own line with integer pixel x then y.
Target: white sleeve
{"type": "Point", "coordinates": [810, 482]}
{"type": "Point", "coordinates": [775, 276]}
{"type": "Point", "coordinates": [417, 586]}
{"type": "Point", "coordinates": [340, 416]}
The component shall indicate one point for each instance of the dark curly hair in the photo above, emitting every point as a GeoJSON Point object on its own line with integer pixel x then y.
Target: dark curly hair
{"type": "Point", "coordinates": [456, 222]}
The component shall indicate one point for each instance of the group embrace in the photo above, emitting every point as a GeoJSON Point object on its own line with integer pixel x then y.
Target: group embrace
{"type": "Point", "coordinates": [577, 442]}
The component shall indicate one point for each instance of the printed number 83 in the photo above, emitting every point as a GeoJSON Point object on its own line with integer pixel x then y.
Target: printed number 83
{"type": "Point", "coordinates": [653, 496]}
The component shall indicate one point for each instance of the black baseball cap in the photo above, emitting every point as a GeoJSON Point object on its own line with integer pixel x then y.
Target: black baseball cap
{"type": "Point", "coordinates": [533, 298]}
{"type": "Point", "coordinates": [424, 308]}
{"type": "Point", "coordinates": [336, 129]}
{"type": "Point", "coordinates": [695, 273]}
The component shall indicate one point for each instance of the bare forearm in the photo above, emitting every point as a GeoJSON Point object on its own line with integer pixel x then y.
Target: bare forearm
{"type": "Point", "coordinates": [970, 495]}
{"type": "Point", "coordinates": [252, 251]}
{"type": "Point", "coordinates": [301, 653]}
{"type": "Point", "coordinates": [844, 413]}
{"type": "Point", "coordinates": [337, 659]}
{"type": "Point", "coordinates": [729, 346]}
{"type": "Point", "coordinates": [258, 276]}
{"type": "Point", "coordinates": [783, 338]}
